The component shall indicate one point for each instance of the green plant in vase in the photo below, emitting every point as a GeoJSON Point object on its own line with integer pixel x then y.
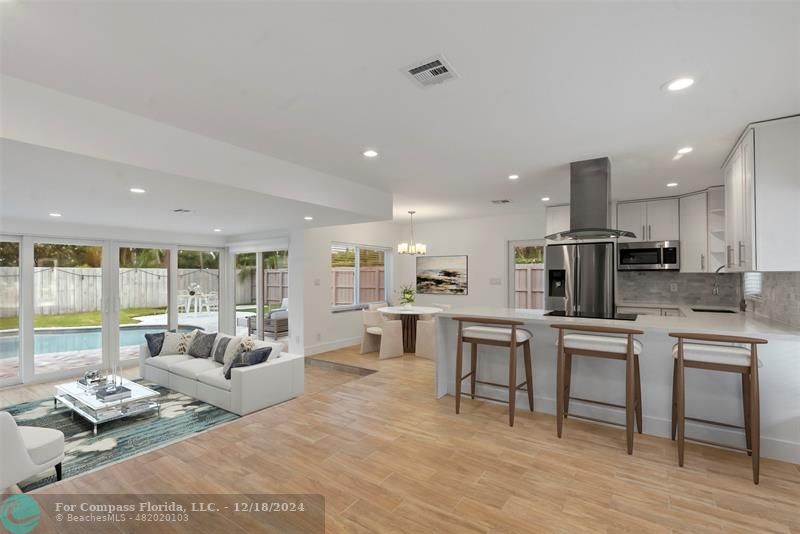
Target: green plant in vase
{"type": "Point", "coordinates": [407, 295]}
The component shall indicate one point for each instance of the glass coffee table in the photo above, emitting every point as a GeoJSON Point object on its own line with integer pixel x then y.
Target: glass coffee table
{"type": "Point", "coordinates": [87, 405]}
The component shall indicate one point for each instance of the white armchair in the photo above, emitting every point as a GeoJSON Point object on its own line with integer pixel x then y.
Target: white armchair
{"type": "Point", "coordinates": [384, 336]}
{"type": "Point", "coordinates": [27, 450]}
{"type": "Point", "coordinates": [426, 334]}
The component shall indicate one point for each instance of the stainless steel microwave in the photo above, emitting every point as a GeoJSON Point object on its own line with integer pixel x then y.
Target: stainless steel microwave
{"type": "Point", "coordinates": [649, 256]}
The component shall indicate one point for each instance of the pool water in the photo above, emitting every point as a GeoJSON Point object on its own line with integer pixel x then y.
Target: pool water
{"type": "Point", "coordinates": [68, 340]}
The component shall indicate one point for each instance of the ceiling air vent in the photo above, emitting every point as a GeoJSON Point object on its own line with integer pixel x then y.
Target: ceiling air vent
{"type": "Point", "coordinates": [501, 201]}
{"type": "Point", "coordinates": [431, 71]}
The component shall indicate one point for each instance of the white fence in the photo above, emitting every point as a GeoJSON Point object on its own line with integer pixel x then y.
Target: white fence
{"type": "Point", "coordinates": [529, 285]}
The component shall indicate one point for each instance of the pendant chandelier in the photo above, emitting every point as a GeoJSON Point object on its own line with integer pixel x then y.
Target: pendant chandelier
{"type": "Point", "coordinates": [414, 249]}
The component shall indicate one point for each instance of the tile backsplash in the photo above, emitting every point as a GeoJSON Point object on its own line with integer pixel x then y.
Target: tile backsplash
{"type": "Point", "coordinates": [692, 288]}
{"type": "Point", "coordinates": [780, 297]}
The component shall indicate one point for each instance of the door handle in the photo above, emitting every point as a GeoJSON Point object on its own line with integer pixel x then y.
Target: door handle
{"type": "Point", "coordinates": [741, 253]}
{"type": "Point", "coordinates": [702, 262]}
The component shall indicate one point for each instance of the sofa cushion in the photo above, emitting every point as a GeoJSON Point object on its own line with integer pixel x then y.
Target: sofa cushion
{"type": "Point", "coordinates": [277, 346]}
{"type": "Point", "coordinates": [163, 362]}
{"type": "Point", "coordinates": [42, 444]}
{"type": "Point", "coordinates": [193, 367]}
{"type": "Point", "coordinates": [247, 359]}
{"type": "Point", "coordinates": [155, 342]}
{"type": "Point", "coordinates": [201, 345]}
{"type": "Point", "coordinates": [177, 342]}
{"type": "Point", "coordinates": [216, 378]}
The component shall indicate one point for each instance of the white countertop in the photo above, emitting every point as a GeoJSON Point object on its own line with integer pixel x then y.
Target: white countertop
{"type": "Point", "coordinates": [720, 323]}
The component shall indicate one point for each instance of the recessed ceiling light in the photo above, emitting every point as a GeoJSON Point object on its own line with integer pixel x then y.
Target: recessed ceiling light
{"type": "Point", "coordinates": [680, 84]}
{"type": "Point", "coordinates": [672, 184]}
{"type": "Point", "coordinates": [685, 150]}
{"type": "Point", "coordinates": [308, 218]}
{"type": "Point", "coordinates": [138, 190]}
{"type": "Point", "coordinates": [677, 156]}
{"type": "Point", "coordinates": [55, 214]}
{"type": "Point", "coordinates": [513, 176]}
{"type": "Point", "coordinates": [217, 229]}
{"type": "Point", "coordinates": [545, 199]}
{"type": "Point", "coordinates": [370, 153]}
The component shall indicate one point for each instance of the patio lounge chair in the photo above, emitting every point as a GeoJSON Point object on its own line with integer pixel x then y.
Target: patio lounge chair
{"type": "Point", "coordinates": [276, 323]}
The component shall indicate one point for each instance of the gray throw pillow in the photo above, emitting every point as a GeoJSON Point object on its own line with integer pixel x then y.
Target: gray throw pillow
{"type": "Point", "coordinates": [201, 344]}
{"type": "Point", "coordinates": [247, 359]}
{"type": "Point", "coordinates": [222, 346]}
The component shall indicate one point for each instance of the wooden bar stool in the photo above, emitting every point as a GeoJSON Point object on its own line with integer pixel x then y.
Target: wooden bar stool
{"type": "Point", "coordinates": [600, 342]}
{"type": "Point", "coordinates": [498, 333]}
{"type": "Point", "coordinates": [718, 353]}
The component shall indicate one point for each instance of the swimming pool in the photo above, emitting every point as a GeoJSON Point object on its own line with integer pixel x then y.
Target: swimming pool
{"type": "Point", "coordinates": [75, 339]}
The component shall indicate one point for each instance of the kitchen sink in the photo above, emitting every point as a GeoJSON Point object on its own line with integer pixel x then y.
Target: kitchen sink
{"type": "Point", "coordinates": [713, 310]}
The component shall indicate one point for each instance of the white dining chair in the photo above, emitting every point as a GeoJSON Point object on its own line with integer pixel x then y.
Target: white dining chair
{"type": "Point", "coordinates": [27, 451]}
{"type": "Point", "coordinates": [426, 334]}
{"type": "Point", "coordinates": [381, 335]}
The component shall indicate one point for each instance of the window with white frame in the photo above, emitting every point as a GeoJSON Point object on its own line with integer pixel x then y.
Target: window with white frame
{"type": "Point", "coordinates": [358, 274]}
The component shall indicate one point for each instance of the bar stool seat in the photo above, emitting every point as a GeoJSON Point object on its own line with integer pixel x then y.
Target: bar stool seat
{"type": "Point", "coordinates": [600, 343]}
{"type": "Point", "coordinates": [722, 354]}
{"type": "Point", "coordinates": [495, 333]}
{"type": "Point", "coordinates": [377, 330]}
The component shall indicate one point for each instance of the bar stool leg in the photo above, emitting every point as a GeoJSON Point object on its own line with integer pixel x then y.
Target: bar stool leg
{"type": "Point", "coordinates": [560, 384]}
{"type": "Point", "coordinates": [746, 406]}
{"type": "Point", "coordinates": [473, 369]}
{"type": "Point", "coordinates": [567, 382]}
{"type": "Point", "coordinates": [681, 411]}
{"type": "Point", "coordinates": [674, 397]}
{"type": "Point", "coordinates": [512, 382]}
{"type": "Point", "coordinates": [528, 372]}
{"type": "Point", "coordinates": [638, 393]}
{"type": "Point", "coordinates": [755, 417]}
{"type": "Point", "coordinates": [459, 362]}
{"type": "Point", "coordinates": [629, 409]}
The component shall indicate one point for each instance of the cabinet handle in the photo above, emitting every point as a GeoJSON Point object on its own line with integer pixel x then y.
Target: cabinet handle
{"type": "Point", "coordinates": [741, 253]}
{"type": "Point", "coordinates": [650, 232]}
{"type": "Point", "coordinates": [729, 256]}
{"type": "Point", "coordinates": [702, 262]}
{"type": "Point", "coordinates": [644, 234]}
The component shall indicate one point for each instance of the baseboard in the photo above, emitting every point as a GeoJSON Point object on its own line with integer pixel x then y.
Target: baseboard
{"type": "Point", "coordinates": [311, 350]}
{"type": "Point", "coordinates": [773, 448]}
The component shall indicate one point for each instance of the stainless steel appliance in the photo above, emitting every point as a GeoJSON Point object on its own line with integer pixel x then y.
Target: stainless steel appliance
{"type": "Point", "coordinates": [580, 280]}
{"type": "Point", "coordinates": [590, 199]}
{"type": "Point", "coordinates": [649, 256]}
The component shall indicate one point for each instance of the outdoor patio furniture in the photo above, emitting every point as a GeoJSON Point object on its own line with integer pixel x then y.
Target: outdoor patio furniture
{"type": "Point", "coordinates": [183, 300]}
{"type": "Point", "coordinates": [276, 323]}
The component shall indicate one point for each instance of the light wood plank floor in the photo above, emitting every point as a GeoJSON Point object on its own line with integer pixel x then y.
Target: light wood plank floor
{"type": "Point", "coordinates": [388, 457]}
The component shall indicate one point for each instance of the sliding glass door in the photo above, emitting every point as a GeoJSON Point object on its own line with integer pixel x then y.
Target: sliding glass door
{"type": "Point", "coordinates": [67, 306]}
{"type": "Point", "coordinates": [10, 355]}
{"type": "Point", "coordinates": [245, 292]}
{"type": "Point", "coordinates": [143, 296]}
{"type": "Point", "coordinates": [198, 290]}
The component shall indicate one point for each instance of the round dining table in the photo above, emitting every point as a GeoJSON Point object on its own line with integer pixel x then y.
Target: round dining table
{"type": "Point", "coordinates": [409, 315]}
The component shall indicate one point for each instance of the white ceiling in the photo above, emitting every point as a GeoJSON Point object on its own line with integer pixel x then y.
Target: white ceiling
{"type": "Point", "coordinates": [36, 181]}
{"type": "Point", "coordinates": [541, 84]}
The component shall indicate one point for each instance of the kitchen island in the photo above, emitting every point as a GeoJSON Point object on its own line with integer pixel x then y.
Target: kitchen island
{"type": "Point", "coordinates": [709, 395]}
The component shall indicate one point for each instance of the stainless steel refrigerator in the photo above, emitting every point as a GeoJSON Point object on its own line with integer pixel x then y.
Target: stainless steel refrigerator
{"type": "Point", "coordinates": [580, 279]}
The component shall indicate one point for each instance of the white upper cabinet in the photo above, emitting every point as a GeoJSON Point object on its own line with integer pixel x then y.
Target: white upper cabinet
{"type": "Point", "coordinates": [762, 178]}
{"type": "Point", "coordinates": [557, 219]}
{"type": "Point", "coordinates": [694, 233]}
{"type": "Point", "coordinates": [650, 220]}
{"type": "Point", "coordinates": [632, 217]}
{"type": "Point", "coordinates": [663, 222]}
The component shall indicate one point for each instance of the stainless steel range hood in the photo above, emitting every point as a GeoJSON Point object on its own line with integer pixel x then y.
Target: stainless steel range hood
{"type": "Point", "coordinates": [590, 202]}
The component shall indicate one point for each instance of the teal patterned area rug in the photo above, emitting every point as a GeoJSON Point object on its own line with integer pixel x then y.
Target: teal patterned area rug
{"type": "Point", "coordinates": [181, 416]}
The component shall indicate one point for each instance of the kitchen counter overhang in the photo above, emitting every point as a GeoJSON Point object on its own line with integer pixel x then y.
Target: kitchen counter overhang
{"type": "Point", "coordinates": [709, 395]}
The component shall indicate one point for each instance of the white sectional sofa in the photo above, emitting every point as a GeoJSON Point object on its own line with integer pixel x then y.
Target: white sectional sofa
{"type": "Point", "coordinates": [251, 388]}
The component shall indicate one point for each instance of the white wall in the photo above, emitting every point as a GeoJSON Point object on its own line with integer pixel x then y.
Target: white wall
{"type": "Point", "coordinates": [485, 241]}
{"type": "Point", "coordinates": [323, 329]}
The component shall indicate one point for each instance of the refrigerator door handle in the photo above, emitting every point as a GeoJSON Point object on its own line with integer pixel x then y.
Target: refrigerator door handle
{"type": "Point", "coordinates": [577, 279]}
